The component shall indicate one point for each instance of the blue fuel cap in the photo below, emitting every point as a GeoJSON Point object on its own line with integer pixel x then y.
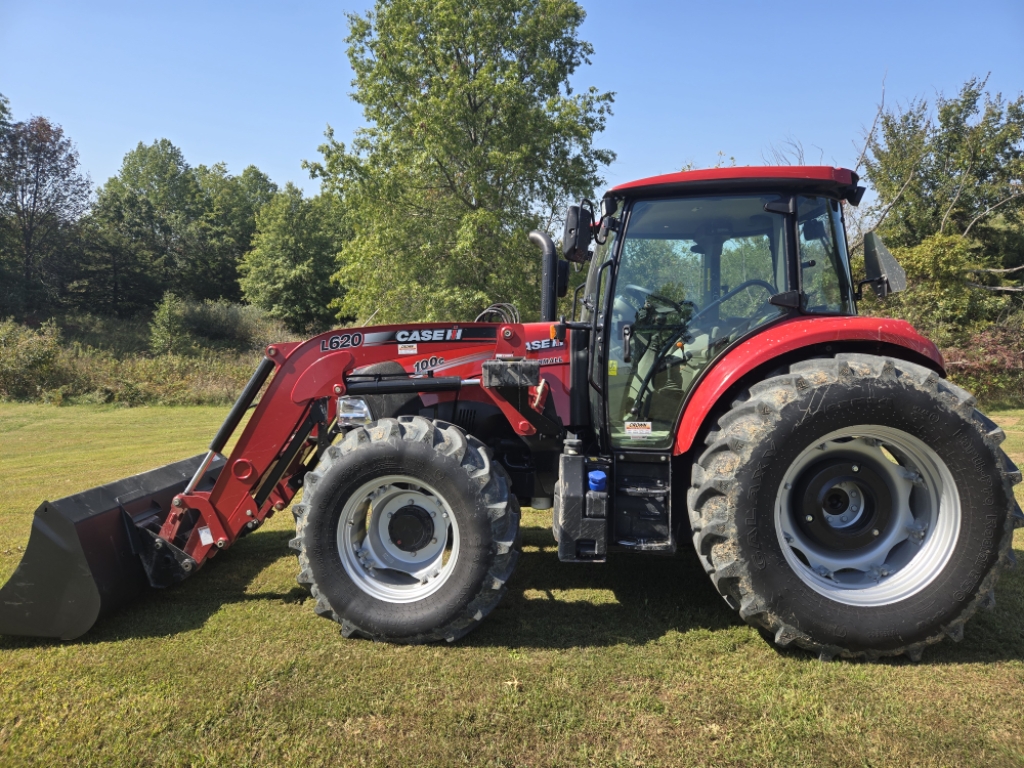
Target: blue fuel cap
{"type": "Point", "coordinates": [598, 480]}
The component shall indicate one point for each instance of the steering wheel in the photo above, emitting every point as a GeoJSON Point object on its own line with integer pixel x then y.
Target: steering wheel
{"type": "Point", "coordinates": [641, 294]}
{"type": "Point", "coordinates": [729, 294]}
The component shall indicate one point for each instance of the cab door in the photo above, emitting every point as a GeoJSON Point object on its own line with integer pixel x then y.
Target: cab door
{"type": "Point", "coordinates": [693, 275]}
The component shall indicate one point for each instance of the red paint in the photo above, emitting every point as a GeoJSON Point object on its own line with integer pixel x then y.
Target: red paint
{"type": "Point", "coordinates": [815, 173]}
{"type": "Point", "coordinates": [306, 372]}
{"type": "Point", "coordinates": [787, 337]}
{"type": "Point", "coordinates": [243, 470]}
{"type": "Point", "coordinates": [327, 370]}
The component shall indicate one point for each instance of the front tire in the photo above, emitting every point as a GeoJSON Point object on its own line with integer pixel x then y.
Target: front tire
{"type": "Point", "coordinates": [407, 532]}
{"type": "Point", "coordinates": [859, 506]}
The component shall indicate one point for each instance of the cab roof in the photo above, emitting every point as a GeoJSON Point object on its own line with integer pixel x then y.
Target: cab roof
{"type": "Point", "coordinates": [822, 179]}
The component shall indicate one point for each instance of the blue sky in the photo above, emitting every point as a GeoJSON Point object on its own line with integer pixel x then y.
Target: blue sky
{"type": "Point", "coordinates": [258, 82]}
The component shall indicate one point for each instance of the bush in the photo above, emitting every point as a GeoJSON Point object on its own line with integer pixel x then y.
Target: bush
{"type": "Point", "coordinates": [183, 327]}
{"type": "Point", "coordinates": [938, 301]}
{"type": "Point", "coordinates": [991, 366]}
{"type": "Point", "coordinates": [30, 360]}
{"type": "Point", "coordinates": [35, 365]}
{"type": "Point", "coordinates": [223, 325]}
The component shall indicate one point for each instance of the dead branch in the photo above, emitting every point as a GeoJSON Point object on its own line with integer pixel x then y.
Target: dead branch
{"type": "Point", "coordinates": [871, 133]}
{"type": "Point", "coordinates": [996, 288]}
{"type": "Point", "coordinates": [956, 197]}
{"type": "Point", "coordinates": [994, 271]}
{"type": "Point", "coordinates": [991, 208]}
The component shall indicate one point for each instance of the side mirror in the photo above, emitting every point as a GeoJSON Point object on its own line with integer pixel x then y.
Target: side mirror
{"type": "Point", "coordinates": [576, 238]}
{"type": "Point", "coordinates": [883, 271]}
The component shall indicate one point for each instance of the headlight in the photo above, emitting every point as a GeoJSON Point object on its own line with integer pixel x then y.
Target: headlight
{"type": "Point", "coordinates": [353, 412]}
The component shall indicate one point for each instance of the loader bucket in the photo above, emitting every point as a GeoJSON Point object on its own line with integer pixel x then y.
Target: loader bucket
{"type": "Point", "coordinates": [87, 554]}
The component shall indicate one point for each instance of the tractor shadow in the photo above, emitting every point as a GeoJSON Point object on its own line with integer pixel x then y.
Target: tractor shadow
{"type": "Point", "coordinates": [636, 599]}
{"type": "Point", "coordinates": [631, 600]}
{"type": "Point", "coordinates": [223, 580]}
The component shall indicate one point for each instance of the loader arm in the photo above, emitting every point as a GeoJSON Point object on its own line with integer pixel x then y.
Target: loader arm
{"type": "Point", "coordinates": [93, 551]}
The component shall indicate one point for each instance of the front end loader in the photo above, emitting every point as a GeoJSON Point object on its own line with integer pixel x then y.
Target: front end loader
{"type": "Point", "coordinates": [714, 383]}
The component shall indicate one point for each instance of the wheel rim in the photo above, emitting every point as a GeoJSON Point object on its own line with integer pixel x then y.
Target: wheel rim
{"type": "Point", "coordinates": [868, 515]}
{"type": "Point", "coordinates": [398, 539]}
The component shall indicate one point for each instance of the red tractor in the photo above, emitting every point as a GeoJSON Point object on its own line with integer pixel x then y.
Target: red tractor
{"type": "Point", "coordinates": [714, 383]}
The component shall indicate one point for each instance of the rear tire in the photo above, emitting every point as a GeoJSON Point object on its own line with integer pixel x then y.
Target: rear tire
{"type": "Point", "coordinates": [407, 532]}
{"type": "Point", "coordinates": [858, 506]}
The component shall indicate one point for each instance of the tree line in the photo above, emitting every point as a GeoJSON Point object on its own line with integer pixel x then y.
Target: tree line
{"type": "Point", "coordinates": [159, 226]}
{"type": "Point", "coordinates": [473, 136]}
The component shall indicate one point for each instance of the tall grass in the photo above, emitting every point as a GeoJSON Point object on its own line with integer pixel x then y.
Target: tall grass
{"type": "Point", "coordinates": [190, 353]}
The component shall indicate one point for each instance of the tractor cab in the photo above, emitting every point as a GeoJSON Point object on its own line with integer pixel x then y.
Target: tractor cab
{"type": "Point", "coordinates": [686, 267]}
{"type": "Point", "coordinates": [680, 278]}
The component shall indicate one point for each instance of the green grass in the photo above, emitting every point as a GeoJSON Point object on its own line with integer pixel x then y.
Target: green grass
{"type": "Point", "coordinates": [636, 662]}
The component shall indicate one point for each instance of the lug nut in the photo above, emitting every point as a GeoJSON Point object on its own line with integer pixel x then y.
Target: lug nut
{"type": "Point", "coordinates": [855, 509]}
{"type": "Point", "coordinates": [875, 531]}
{"type": "Point", "coordinates": [845, 518]}
{"type": "Point", "coordinates": [433, 541]}
{"type": "Point", "coordinates": [809, 518]}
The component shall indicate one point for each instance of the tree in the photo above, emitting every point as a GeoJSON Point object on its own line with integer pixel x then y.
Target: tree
{"type": "Point", "coordinates": [161, 225]}
{"type": "Point", "coordinates": [219, 238]}
{"type": "Point", "coordinates": [288, 271]}
{"type": "Point", "coordinates": [144, 213]}
{"type": "Point", "coordinates": [474, 137]}
{"type": "Point", "coordinates": [954, 170]}
{"type": "Point", "coordinates": [42, 197]}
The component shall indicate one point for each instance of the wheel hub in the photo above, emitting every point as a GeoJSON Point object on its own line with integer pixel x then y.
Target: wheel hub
{"type": "Point", "coordinates": [846, 505]}
{"type": "Point", "coordinates": [411, 528]}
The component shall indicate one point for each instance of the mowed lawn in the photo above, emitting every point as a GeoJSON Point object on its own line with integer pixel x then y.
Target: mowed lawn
{"type": "Point", "coordinates": [637, 662]}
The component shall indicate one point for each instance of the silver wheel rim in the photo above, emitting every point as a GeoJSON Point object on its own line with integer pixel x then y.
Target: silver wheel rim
{"type": "Point", "coordinates": [373, 552]}
{"type": "Point", "coordinates": [837, 537]}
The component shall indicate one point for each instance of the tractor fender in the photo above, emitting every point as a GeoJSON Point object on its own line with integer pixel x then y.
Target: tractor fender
{"type": "Point", "coordinates": [897, 337]}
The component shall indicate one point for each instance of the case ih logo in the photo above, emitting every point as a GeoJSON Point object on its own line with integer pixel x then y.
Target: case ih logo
{"type": "Point", "coordinates": [437, 334]}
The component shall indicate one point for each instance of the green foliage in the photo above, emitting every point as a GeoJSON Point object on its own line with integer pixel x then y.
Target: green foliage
{"type": "Point", "coordinates": [169, 334]}
{"type": "Point", "coordinates": [29, 360]}
{"type": "Point", "coordinates": [185, 326]}
{"type": "Point", "coordinates": [42, 197]}
{"type": "Point", "coordinates": [938, 300]}
{"type": "Point", "coordinates": [224, 325]}
{"type": "Point", "coordinates": [294, 254]}
{"type": "Point", "coordinates": [42, 365]}
{"type": "Point", "coordinates": [474, 137]}
{"type": "Point", "coordinates": [957, 169]}
{"type": "Point", "coordinates": [162, 225]}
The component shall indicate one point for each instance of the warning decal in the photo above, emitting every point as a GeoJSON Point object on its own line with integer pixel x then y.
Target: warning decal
{"type": "Point", "coordinates": [638, 429]}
